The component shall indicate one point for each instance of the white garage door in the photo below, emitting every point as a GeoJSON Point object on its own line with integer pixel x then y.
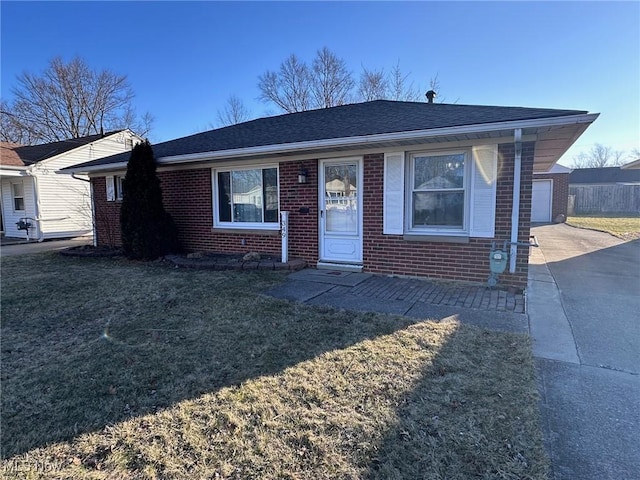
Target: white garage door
{"type": "Point", "coordinates": [541, 201]}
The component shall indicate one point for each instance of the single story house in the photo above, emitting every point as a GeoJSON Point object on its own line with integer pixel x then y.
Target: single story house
{"type": "Point", "coordinates": [425, 189]}
{"type": "Point", "coordinates": [51, 204]}
{"type": "Point", "coordinates": [550, 195]}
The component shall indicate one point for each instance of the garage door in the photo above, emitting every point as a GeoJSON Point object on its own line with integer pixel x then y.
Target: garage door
{"type": "Point", "coordinates": [541, 201]}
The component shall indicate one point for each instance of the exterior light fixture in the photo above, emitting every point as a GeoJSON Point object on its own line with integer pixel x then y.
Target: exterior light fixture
{"type": "Point", "coordinates": [302, 175]}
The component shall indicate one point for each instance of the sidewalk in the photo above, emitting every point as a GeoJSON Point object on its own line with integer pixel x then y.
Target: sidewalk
{"type": "Point", "coordinates": [474, 304]}
{"type": "Point", "coordinates": [550, 329]}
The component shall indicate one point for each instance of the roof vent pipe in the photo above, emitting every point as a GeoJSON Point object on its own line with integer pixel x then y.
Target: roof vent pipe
{"type": "Point", "coordinates": [430, 95]}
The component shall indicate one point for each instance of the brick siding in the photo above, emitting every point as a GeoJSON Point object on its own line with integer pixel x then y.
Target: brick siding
{"type": "Point", "coordinates": [187, 196]}
{"type": "Point", "coordinates": [390, 254]}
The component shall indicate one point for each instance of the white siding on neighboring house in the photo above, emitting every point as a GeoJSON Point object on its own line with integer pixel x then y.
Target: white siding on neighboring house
{"type": "Point", "coordinates": [61, 204]}
{"type": "Point", "coordinates": [10, 216]}
{"type": "Point", "coordinates": [64, 205]}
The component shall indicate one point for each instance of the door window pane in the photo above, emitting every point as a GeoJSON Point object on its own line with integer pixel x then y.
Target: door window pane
{"type": "Point", "coordinates": [341, 198]}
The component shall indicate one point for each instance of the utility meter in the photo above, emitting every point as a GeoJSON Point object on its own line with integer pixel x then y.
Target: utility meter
{"type": "Point", "coordinates": [497, 263]}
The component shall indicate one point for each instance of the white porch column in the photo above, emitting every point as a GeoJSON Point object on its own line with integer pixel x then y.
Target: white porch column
{"type": "Point", "coordinates": [284, 232]}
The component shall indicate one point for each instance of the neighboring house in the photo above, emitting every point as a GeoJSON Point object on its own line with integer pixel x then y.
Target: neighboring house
{"type": "Point", "coordinates": [604, 176]}
{"type": "Point", "coordinates": [52, 204]}
{"type": "Point", "coordinates": [430, 186]}
{"type": "Point", "coordinates": [634, 165]}
{"type": "Point", "coordinates": [550, 195]}
{"type": "Point", "coordinates": [604, 190]}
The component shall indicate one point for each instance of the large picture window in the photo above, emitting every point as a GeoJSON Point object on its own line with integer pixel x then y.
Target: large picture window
{"type": "Point", "coordinates": [437, 191]}
{"type": "Point", "coordinates": [247, 197]}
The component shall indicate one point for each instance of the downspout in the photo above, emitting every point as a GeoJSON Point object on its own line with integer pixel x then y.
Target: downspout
{"type": "Point", "coordinates": [515, 209]}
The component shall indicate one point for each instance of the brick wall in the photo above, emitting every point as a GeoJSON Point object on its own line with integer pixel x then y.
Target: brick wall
{"type": "Point", "coordinates": [390, 254]}
{"type": "Point", "coordinates": [560, 196]}
{"type": "Point", "coordinates": [188, 197]}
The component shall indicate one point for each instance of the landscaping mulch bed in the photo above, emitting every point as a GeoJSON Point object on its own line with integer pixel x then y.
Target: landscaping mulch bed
{"type": "Point", "coordinates": [218, 261]}
{"type": "Point", "coordinates": [91, 251]}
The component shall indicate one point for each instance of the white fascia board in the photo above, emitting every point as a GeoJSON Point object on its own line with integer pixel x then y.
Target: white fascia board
{"type": "Point", "coordinates": [360, 141]}
{"type": "Point", "coordinates": [12, 171]}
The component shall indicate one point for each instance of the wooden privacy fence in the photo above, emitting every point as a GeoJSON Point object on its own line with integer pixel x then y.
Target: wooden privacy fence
{"type": "Point", "coordinates": [604, 199]}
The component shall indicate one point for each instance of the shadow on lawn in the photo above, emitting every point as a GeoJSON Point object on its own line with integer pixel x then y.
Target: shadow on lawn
{"type": "Point", "coordinates": [104, 342]}
{"type": "Point", "coordinates": [473, 414]}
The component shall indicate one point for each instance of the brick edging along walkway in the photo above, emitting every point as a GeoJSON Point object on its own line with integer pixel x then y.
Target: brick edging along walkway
{"type": "Point", "coordinates": [440, 293]}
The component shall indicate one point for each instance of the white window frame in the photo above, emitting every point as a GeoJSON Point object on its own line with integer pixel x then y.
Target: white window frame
{"type": "Point", "coordinates": [409, 190]}
{"type": "Point", "coordinates": [14, 197]}
{"type": "Point", "coordinates": [119, 187]}
{"type": "Point", "coordinates": [217, 223]}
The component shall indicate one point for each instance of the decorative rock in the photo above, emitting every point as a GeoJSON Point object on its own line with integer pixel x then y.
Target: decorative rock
{"type": "Point", "coordinates": [251, 257]}
{"type": "Point", "coordinates": [195, 255]}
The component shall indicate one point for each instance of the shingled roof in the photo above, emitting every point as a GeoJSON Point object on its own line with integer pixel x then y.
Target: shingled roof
{"type": "Point", "coordinates": [353, 120]}
{"type": "Point", "coordinates": [13, 154]}
{"type": "Point", "coordinates": [604, 175]}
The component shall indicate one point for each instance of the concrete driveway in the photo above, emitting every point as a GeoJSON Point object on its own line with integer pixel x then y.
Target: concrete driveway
{"type": "Point", "coordinates": [585, 324]}
{"type": "Point", "coordinates": [14, 248]}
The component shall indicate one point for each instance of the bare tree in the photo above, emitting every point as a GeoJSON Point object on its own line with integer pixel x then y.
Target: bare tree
{"type": "Point", "coordinates": [70, 100]}
{"type": "Point", "coordinates": [599, 156]}
{"type": "Point", "coordinates": [296, 87]}
{"type": "Point", "coordinates": [401, 88]}
{"type": "Point", "coordinates": [234, 112]}
{"type": "Point", "coordinates": [396, 85]}
{"type": "Point", "coordinates": [373, 85]}
{"type": "Point", "coordinates": [289, 88]}
{"type": "Point", "coordinates": [331, 82]}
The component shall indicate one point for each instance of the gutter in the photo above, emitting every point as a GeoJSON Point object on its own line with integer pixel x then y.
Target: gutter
{"type": "Point", "coordinates": [360, 141]}
{"type": "Point", "coordinates": [515, 208]}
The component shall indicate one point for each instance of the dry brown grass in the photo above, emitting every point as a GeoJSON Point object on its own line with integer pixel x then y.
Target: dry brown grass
{"type": "Point", "coordinates": [626, 227]}
{"type": "Point", "coordinates": [122, 370]}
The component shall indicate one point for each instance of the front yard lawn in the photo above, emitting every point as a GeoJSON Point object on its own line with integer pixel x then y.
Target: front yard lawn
{"type": "Point", "coordinates": [625, 226]}
{"type": "Point", "coordinates": [114, 369]}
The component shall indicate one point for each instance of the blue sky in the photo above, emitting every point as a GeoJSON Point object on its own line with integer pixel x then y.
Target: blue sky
{"type": "Point", "coordinates": [184, 59]}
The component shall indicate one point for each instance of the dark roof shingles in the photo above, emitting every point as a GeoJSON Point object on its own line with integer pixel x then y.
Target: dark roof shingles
{"type": "Point", "coordinates": [604, 175]}
{"type": "Point", "coordinates": [353, 120]}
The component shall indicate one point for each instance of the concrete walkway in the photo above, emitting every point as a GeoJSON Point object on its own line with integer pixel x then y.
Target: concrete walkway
{"type": "Point", "coordinates": [477, 305]}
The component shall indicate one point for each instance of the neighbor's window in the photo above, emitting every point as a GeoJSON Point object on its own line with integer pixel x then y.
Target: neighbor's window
{"type": "Point", "coordinates": [247, 197]}
{"type": "Point", "coordinates": [18, 196]}
{"type": "Point", "coordinates": [118, 183]}
{"type": "Point", "coordinates": [437, 191]}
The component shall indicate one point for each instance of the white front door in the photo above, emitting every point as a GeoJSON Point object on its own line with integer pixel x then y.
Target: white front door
{"type": "Point", "coordinates": [340, 196]}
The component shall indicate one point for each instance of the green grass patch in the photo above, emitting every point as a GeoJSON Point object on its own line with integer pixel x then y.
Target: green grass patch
{"type": "Point", "coordinates": [625, 226]}
{"type": "Point", "coordinates": [114, 369]}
